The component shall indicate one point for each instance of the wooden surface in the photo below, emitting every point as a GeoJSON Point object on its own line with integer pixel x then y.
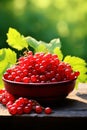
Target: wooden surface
{"type": "Point", "coordinates": [70, 113]}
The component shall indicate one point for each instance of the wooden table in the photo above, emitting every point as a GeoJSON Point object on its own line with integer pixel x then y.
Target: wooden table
{"type": "Point", "coordinates": [71, 113]}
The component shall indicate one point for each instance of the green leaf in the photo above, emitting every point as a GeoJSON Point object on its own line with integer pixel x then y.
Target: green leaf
{"type": "Point", "coordinates": [11, 56]}
{"type": "Point", "coordinates": [32, 42]}
{"type": "Point", "coordinates": [8, 60]}
{"type": "Point", "coordinates": [58, 52]}
{"type": "Point", "coordinates": [73, 60]}
{"type": "Point", "coordinates": [55, 42]}
{"type": "Point", "coordinates": [3, 65]}
{"type": "Point", "coordinates": [16, 40]}
{"type": "Point", "coordinates": [2, 54]}
{"type": "Point", "coordinates": [78, 64]}
{"type": "Point", "coordinates": [1, 82]}
{"type": "Point", "coordinates": [41, 48]}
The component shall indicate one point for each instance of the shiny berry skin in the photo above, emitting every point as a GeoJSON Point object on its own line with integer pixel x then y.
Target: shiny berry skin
{"type": "Point", "coordinates": [28, 108]}
{"type": "Point", "coordinates": [21, 105]}
{"type": "Point", "coordinates": [38, 109]}
{"type": "Point", "coordinates": [12, 110]}
{"type": "Point", "coordinates": [40, 68]}
{"type": "Point", "coordinates": [48, 110]}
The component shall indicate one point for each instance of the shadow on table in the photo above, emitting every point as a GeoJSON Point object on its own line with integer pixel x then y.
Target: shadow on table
{"type": "Point", "coordinates": [84, 96]}
{"type": "Point", "coordinates": [61, 118]}
{"type": "Point", "coordinates": [68, 103]}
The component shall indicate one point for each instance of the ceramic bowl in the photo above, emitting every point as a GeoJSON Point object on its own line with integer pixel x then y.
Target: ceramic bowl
{"type": "Point", "coordinates": [42, 92]}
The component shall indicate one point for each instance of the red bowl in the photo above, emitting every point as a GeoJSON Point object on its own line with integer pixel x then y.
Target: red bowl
{"type": "Point", "coordinates": [43, 92]}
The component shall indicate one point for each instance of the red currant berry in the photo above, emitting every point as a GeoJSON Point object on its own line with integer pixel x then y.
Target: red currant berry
{"type": "Point", "coordinates": [48, 110]}
{"type": "Point", "coordinates": [12, 110]}
{"type": "Point", "coordinates": [38, 109]}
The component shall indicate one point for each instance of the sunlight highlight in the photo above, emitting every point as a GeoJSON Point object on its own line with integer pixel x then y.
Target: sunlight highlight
{"type": "Point", "coordinates": [42, 3]}
{"type": "Point", "coordinates": [62, 28]}
{"type": "Point", "coordinates": [19, 4]}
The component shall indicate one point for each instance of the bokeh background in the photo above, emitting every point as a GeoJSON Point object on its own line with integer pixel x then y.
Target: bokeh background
{"type": "Point", "coordinates": [46, 20]}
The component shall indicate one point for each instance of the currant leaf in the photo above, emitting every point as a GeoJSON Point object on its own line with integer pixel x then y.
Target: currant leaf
{"type": "Point", "coordinates": [2, 54]}
{"type": "Point", "coordinates": [79, 64]}
{"type": "Point", "coordinates": [1, 82]}
{"type": "Point", "coordinates": [41, 48]}
{"type": "Point", "coordinates": [58, 52]}
{"type": "Point", "coordinates": [55, 43]}
{"type": "Point", "coordinates": [9, 58]}
{"type": "Point", "coordinates": [16, 40]}
{"type": "Point", "coordinates": [32, 42]}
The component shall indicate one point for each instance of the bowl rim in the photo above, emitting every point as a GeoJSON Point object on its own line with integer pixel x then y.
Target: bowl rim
{"type": "Point", "coordinates": [47, 83]}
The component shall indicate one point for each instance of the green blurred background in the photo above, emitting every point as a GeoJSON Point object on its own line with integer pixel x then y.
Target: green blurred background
{"type": "Point", "coordinates": [47, 19]}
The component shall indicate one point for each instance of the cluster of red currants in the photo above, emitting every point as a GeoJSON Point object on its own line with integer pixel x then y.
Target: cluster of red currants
{"type": "Point", "coordinates": [40, 68]}
{"type": "Point", "coordinates": [21, 105]}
